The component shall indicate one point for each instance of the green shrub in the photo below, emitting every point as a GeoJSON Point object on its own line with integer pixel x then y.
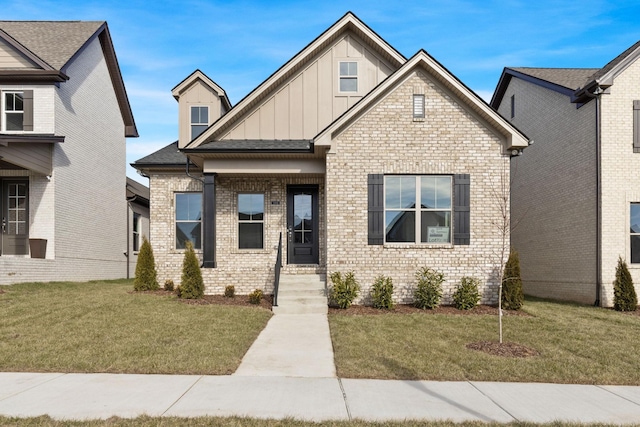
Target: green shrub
{"type": "Point", "coordinates": [466, 295]}
{"type": "Point", "coordinates": [624, 293]}
{"type": "Point", "coordinates": [230, 291]}
{"type": "Point", "coordinates": [168, 285]}
{"type": "Point", "coordinates": [343, 291]}
{"type": "Point", "coordinates": [512, 294]}
{"type": "Point", "coordinates": [428, 292]}
{"type": "Point", "coordinates": [382, 293]}
{"type": "Point", "coordinates": [255, 297]}
{"type": "Point", "coordinates": [146, 276]}
{"type": "Point", "coordinates": [192, 286]}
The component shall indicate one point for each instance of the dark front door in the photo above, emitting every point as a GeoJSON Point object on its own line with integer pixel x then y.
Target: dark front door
{"type": "Point", "coordinates": [15, 217]}
{"type": "Point", "coordinates": [302, 224]}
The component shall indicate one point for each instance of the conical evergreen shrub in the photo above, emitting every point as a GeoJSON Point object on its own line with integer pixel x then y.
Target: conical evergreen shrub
{"type": "Point", "coordinates": [512, 294]}
{"type": "Point", "coordinates": [192, 286]}
{"type": "Point", "coordinates": [146, 276]}
{"type": "Point", "coordinates": [624, 293]}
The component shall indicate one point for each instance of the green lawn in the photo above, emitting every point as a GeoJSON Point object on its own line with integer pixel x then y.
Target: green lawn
{"type": "Point", "coordinates": [577, 344]}
{"type": "Point", "coordinates": [104, 327]}
{"type": "Point", "coordinates": [249, 422]}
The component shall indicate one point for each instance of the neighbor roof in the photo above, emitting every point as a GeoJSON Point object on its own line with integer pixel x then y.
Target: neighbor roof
{"type": "Point", "coordinates": [140, 191]}
{"type": "Point", "coordinates": [52, 45]}
{"type": "Point", "coordinates": [571, 78]}
{"type": "Point", "coordinates": [166, 156]}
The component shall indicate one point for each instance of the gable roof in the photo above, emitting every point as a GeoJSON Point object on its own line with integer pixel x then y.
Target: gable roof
{"type": "Point", "coordinates": [137, 192]}
{"type": "Point", "coordinates": [199, 75]}
{"type": "Point", "coordinates": [349, 22]}
{"type": "Point", "coordinates": [52, 46]}
{"type": "Point", "coordinates": [573, 82]}
{"type": "Point", "coordinates": [514, 138]}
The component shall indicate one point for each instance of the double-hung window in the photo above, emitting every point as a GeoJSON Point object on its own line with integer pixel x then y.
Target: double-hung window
{"type": "Point", "coordinates": [188, 220]}
{"type": "Point", "coordinates": [199, 120]}
{"type": "Point", "coordinates": [251, 221]}
{"type": "Point", "coordinates": [418, 209]}
{"type": "Point", "coordinates": [348, 76]}
{"type": "Point", "coordinates": [136, 231]}
{"type": "Point", "coordinates": [634, 222]}
{"type": "Point", "coordinates": [13, 111]}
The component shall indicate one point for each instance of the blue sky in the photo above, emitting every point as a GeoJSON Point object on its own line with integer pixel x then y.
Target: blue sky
{"type": "Point", "coordinates": [240, 43]}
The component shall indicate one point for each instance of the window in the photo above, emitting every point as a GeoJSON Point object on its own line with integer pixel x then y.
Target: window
{"type": "Point", "coordinates": [513, 106]}
{"type": "Point", "coordinates": [348, 76]}
{"type": "Point", "coordinates": [634, 222]}
{"type": "Point", "coordinates": [136, 232]}
{"type": "Point", "coordinates": [426, 222]}
{"type": "Point", "coordinates": [250, 221]}
{"type": "Point", "coordinates": [13, 111]}
{"type": "Point", "coordinates": [418, 106]}
{"type": "Point", "coordinates": [199, 120]}
{"type": "Point", "coordinates": [636, 126]}
{"type": "Point", "coordinates": [188, 220]}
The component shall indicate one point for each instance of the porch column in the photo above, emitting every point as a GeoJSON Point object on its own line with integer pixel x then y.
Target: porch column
{"type": "Point", "coordinates": [209, 221]}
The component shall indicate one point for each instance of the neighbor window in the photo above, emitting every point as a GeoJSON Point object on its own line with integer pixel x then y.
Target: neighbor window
{"type": "Point", "coordinates": [251, 221]}
{"type": "Point", "coordinates": [634, 221]}
{"type": "Point", "coordinates": [428, 221]}
{"type": "Point", "coordinates": [199, 120]}
{"type": "Point", "coordinates": [348, 76]}
{"type": "Point", "coordinates": [513, 106]}
{"type": "Point", "coordinates": [13, 111]}
{"type": "Point", "coordinates": [136, 231]}
{"type": "Point", "coordinates": [188, 220]}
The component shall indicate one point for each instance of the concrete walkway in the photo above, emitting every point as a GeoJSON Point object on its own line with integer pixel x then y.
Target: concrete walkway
{"type": "Point", "coordinates": [291, 345]}
{"type": "Point", "coordinates": [100, 396]}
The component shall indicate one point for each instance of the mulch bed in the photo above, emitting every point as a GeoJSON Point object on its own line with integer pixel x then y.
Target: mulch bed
{"type": "Point", "coordinates": [238, 300]}
{"type": "Point", "coordinates": [506, 349]}
{"type": "Point", "coordinates": [409, 309]}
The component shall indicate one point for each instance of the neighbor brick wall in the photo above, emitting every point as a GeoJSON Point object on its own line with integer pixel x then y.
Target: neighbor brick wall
{"type": "Point", "coordinates": [386, 140]}
{"type": "Point", "coordinates": [554, 193]}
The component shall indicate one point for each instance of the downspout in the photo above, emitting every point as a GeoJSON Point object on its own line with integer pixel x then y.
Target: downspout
{"type": "Point", "coordinates": [596, 95]}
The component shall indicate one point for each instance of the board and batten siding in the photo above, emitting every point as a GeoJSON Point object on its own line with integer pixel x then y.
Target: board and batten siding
{"type": "Point", "coordinates": [10, 58]}
{"type": "Point", "coordinates": [308, 102]}
{"type": "Point", "coordinates": [198, 94]}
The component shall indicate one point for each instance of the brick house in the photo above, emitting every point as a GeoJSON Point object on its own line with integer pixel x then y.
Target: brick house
{"type": "Point", "coordinates": [576, 191]}
{"type": "Point", "coordinates": [63, 122]}
{"type": "Point", "coordinates": [333, 151]}
{"type": "Point", "coordinates": [137, 222]}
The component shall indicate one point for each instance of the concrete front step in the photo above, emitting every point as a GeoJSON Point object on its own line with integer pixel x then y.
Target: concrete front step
{"type": "Point", "coordinates": [301, 294]}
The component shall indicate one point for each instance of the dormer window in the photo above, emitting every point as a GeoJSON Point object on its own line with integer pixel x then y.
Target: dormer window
{"type": "Point", "coordinates": [199, 120]}
{"type": "Point", "coordinates": [348, 76]}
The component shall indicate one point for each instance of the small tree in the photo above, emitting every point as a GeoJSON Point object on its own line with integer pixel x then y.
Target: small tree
{"type": "Point", "coordinates": [146, 276]}
{"type": "Point", "coordinates": [192, 286]}
{"type": "Point", "coordinates": [624, 293]}
{"type": "Point", "coordinates": [512, 294]}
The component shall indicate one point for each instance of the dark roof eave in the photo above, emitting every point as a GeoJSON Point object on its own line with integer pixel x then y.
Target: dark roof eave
{"type": "Point", "coordinates": [140, 166]}
{"type": "Point", "coordinates": [31, 138]}
{"type": "Point", "coordinates": [13, 76]}
{"type": "Point", "coordinates": [247, 151]}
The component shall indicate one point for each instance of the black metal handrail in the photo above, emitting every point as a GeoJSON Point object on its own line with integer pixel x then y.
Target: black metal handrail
{"type": "Point", "coordinates": [277, 268]}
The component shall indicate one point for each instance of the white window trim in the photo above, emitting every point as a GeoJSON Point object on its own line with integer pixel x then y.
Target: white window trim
{"type": "Point", "coordinates": [251, 221]}
{"type": "Point", "coordinates": [5, 112]}
{"type": "Point", "coordinates": [192, 124]}
{"type": "Point", "coordinates": [631, 263]}
{"type": "Point", "coordinates": [355, 77]}
{"type": "Point", "coordinates": [418, 210]}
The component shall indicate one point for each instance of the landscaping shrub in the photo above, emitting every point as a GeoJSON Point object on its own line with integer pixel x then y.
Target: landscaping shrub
{"type": "Point", "coordinates": [624, 293]}
{"type": "Point", "coordinates": [146, 276]}
{"type": "Point", "coordinates": [343, 291]}
{"type": "Point", "coordinates": [230, 291]}
{"type": "Point", "coordinates": [466, 295]}
{"type": "Point", "coordinates": [428, 292]}
{"type": "Point", "coordinates": [512, 294]}
{"type": "Point", "coordinates": [382, 293]}
{"type": "Point", "coordinates": [192, 286]}
{"type": "Point", "coordinates": [255, 297]}
{"type": "Point", "coordinates": [168, 285]}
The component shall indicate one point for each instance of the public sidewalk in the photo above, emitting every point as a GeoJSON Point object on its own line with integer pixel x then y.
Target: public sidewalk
{"type": "Point", "coordinates": [95, 396]}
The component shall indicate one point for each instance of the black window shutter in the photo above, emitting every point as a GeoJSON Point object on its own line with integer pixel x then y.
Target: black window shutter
{"type": "Point", "coordinates": [636, 126]}
{"type": "Point", "coordinates": [27, 122]}
{"type": "Point", "coordinates": [375, 184]}
{"type": "Point", "coordinates": [461, 209]}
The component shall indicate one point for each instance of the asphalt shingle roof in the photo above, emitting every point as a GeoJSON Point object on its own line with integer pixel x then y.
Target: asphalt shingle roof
{"type": "Point", "coordinates": [55, 42]}
{"type": "Point", "coordinates": [168, 155]}
{"type": "Point", "coordinates": [571, 78]}
{"type": "Point", "coordinates": [256, 145]}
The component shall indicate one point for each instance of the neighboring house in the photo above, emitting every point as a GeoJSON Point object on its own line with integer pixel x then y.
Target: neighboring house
{"type": "Point", "coordinates": [63, 122]}
{"type": "Point", "coordinates": [576, 191]}
{"type": "Point", "coordinates": [137, 221]}
{"type": "Point", "coordinates": [361, 159]}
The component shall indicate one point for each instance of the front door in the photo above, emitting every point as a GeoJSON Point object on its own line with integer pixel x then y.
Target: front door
{"type": "Point", "coordinates": [302, 224]}
{"type": "Point", "coordinates": [15, 218]}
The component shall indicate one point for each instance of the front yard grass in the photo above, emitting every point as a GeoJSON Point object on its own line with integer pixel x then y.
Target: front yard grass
{"type": "Point", "coordinates": [577, 344]}
{"type": "Point", "coordinates": [104, 327]}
